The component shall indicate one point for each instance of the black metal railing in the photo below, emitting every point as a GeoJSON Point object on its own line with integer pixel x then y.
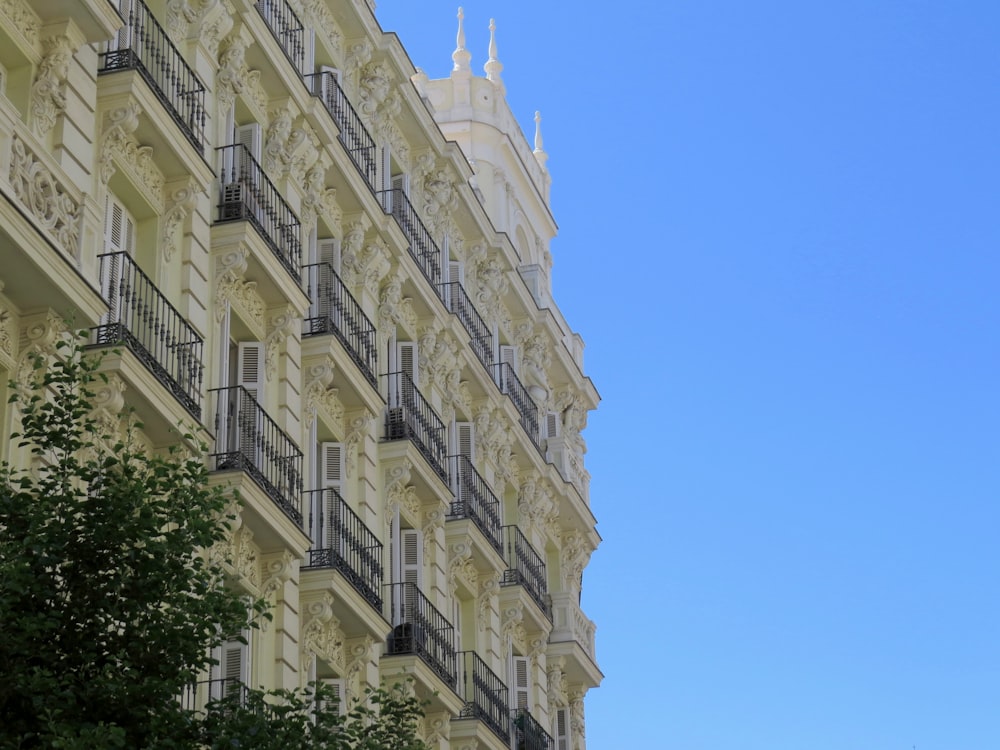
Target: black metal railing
{"type": "Point", "coordinates": [341, 541]}
{"type": "Point", "coordinates": [527, 733]}
{"type": "Point", "coordinates": [196, 696]}
{"type": "Point", "coordinates": [418, 628]}
{"type": "Point", "coordinates": [409, 417]}
{"type": "Point", "coordinates": [458, 302]}
{"type": "Point", "coordinates": [245, 194]}
{"type": "Point", "coordinates": [474, 499]}
{"type": "Point", "coordinates": [287, 30]}
{"type": "Point", "coordinates": [354, 137]}
{"type": "Point", "coordinates": [485, 695]}
{"type": "Point", "coordinates": [247, 439]}
{"type": "Point", "coordinates": [335, 311]}
{"type": "Point", "coordinates": [508, 382]}
{"type": "Point", "coordinates": [143, 45]}
{"type": "Point", "coordinates": [422, 246]}
{"type": "Point", "coordinates": [142, 319]}
{"type": "Point", "coordinates": [525, 567]}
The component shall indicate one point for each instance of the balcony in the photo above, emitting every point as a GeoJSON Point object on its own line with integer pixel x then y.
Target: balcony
{"type": "Point", "coordinates": [418, 628]}
{"type": "Point", "coordinates": [474, 500]}
{"type": "Point", "coordinates": [458, 302]}
{"type": "Point", "coordinates": [245, 194]}
{"type": "Point", "coordinates": [144, 46]}
{"type": "Point", "coordinates": [247, 439]}
{"type": "Point", "coordinates": [355, 139]}
{"type": "Point", "coordinates": [421, 245]}
{"type": "Point", "coordinates": [195, 697]}
{"type": "Point", "coordinates": [524, 567]}
{"type": "Point", "coordinates": [410, 417]}
{"type": "Point", "coordinates": [287, 29]}
{"type": "Point", "coordinates": [508, 382]}
{"type": "Point", "coordinates": [342, 542]}
{"type": "Point", "coordinates": [334, 310]}
{"type": "Point", "coordinates": [484, 694]}
{"type": "Point", "coordinates": [527, 733]}
{"type": "Point", "coordinates": [140, 318]}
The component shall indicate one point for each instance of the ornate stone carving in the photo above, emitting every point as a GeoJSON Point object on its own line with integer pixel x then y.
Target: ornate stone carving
{"type": "Point", "coordinates": [489, 589]}
{"type": "Point", "coordinates": [282, 142]}
{"type": "Point", "coordinates": [461, 569]}
{"type": "Point", "coordinates": [380, 104]}
{"type": "Point", "coordinates": [232, 289]}
{"type": "Point", "coordinates": [119, 148]}
{"type": "Point", "coordinates": [208, 20]}
{"type": "Point", "coordinates": [182, 202]}
{"type": "Point", "coordinates": [7, 341]}
{"type": "Point", "coordinates": [234, 77]}
{"type": "Point", "coordinates": [536, 357]}
{"type": "Point", "coordinates": [21, 17]}
{"type": "Point", "coordinates": [556, 690]}
{"type": "Point", "coordinates": [319, 200]}
{"type": "Point", "coordinates": [491, 284]}
{"type": "Point", "coordinates": [399, 493]}
{"type": "Point", "coordinates": [360, 653]}
{"type": "Point", "coordinates": [576, 721]}
{"type": "Point", "coordinates": [45, 198]}
{"type": "Point", "coordinates": [512, 626]}
{"type": "Point", "coordinates": [320, 397]}
{"type": "Point", "coordinates": [440, 199]}
{"type": "Point", "coordinates": [108, 405]}
{"type": "Point", "coordinates": [358, 55]}
{"type": "Point", "coordinates": [317, 15]}
{"type": "Point", "coordinates": [437, 728]}
{"type": "Point", "coordinates": [48, 96]}
{"type": "Point", "coordinates": [394, 308]}
{"type": "Point", "coordinates": [280, 326]}
{"type": "Point", "coordinates": [278, 570]}
{"type": "Point", "coordinates": [573, 558]}
{"type": "Point", "coordinates": [360, 427]}
{"type": "Point", "coordinates": [433, 523]}
{"type": "Point", "coordinates": [321, 632]}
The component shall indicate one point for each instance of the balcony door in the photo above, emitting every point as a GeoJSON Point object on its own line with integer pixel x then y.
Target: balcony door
{"type": "Point", "coordinates": [328, 524]}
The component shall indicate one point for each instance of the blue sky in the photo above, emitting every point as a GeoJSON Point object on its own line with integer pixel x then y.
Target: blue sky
{"type": "Point", "coordinates": [779, 237]}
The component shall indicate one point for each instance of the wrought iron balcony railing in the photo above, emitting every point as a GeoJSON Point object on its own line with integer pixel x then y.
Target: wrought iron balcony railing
{"type": "Point", "coordinates": [196, 696]}
{"type": "Point", "coordinates": [508, 382]}
{"type": "Point", "coordinates": [418, 628]}
{"type": "Point", "coordinates": [409, 417]}
{"type": "Point", "coordinates": [525, 567]}
{"type": "Point", "coordinates": [474, 499]}
{"type": "Point", "coordinates": [341, 541]}
{"type": "Point", "coordinates": [485, 695]}
{"type": "Point", "coordinates": [140, 317]}
{"type": "Point", "coordinates": [354, 137]}
{"type": "Point", "coordinates": [245, 194]}
{"type": "Point", "coordinates": [422, 246]}
{"type": "Point", "coordinates": [143, 45]}
{"type": "Point", "coordinates": [335, 311]}
{"type": "Point", "coordinates": [287, 30]}
{"type": "Point", "coordinates": [458, 302]}
{"type": "Point", "coordinates": [527, 733]}
{"type": "Point", "coordinates": [247, 439]}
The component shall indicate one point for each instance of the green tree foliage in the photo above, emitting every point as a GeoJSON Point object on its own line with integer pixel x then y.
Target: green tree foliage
{"type": "Point", "coordinates": [111, 609]}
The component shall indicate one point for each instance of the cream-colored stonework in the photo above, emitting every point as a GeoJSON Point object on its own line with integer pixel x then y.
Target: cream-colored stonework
{"type": "Point", "coordinates": [359, 308]}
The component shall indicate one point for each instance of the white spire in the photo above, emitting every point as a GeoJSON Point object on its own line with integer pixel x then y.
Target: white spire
{"type": "Point", "coordinates": [461, 55]}
{"type": "Point", "coordinates": [540, 156]}
{"type": "Point", "coordinates": [493, 66]}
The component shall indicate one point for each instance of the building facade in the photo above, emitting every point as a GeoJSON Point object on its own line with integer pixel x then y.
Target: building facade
{"type": "Point", "coordinates": [335, 271]}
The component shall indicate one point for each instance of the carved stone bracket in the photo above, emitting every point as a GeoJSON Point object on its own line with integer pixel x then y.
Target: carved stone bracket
{"type": "Point", "coordinates": [361, 426]}
{"type": "Point", "coordinates": [121, 150]}
{"type": "Point", "coordinates": [320, 398]}
{"type": "Point", "coordinates": [556, 678]}
{"type": "Point", "coordinates": [183, 198]}
{"type": "Point", "coordinates": [321, 633]}
{"type": "Point", "coordinates": [512, 630]}
{"type": "Point", "coordinates": [319, 200]}
{"type": "Point", "coordinates": [461, 569]}
{"type": "Point", "coordinates": [394, 308]}
{"type": "Point", "coordinates": [234, 77]}
{"type": "Point", "coordinates": [233, 290]}
{"type": "Point", "coordinates": [399, 493]}
{"type": "Point", "coordinates": [48, 95]}
{"type": "Point", "coordinates": [278, 570]}
{"type": "Point", "coordinates": [489, 590]}
{"type": "Point", "coordinates": [280, 326]}
{"type": "Point", "coordinates": [433, 523]}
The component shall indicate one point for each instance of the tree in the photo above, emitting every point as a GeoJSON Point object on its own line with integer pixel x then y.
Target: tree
{"type": "Point", "coordinates": [110, 606]}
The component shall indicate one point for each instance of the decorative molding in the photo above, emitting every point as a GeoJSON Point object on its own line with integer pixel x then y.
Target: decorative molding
{"type": "Point", "coordinates": [512, 630]}
{"type": "Point", "coordinates": [360, 427]}
{"type": "Point", "coordinates": [536, 357]}
{"type": "Point", "coordinates": [461, 569]}
{"type": "Point", "coordinates": [280, 326]}
{"type": "Point", "coordinates": [320, 397]}
{"type": "Point", "coordinates": [234, 77]}
{"type": "Point", "coordinates": [182, 203]}
{"type": "Point", "coordinates": [440, 199]}
{"type": "Point", "coordinates": [394, 308]}
{"type": "Point", "coordinates": [321, 633]}
{"type": "Point", "coordinates": [282, 142]}
{"type": "Point", "coordinates": [489, 590]}
{"type": "Point", "coordinates": [120, 149]}
{"type": "Point", "coordinates": [433, 523]}
{"type": "Point", "coordinates": [43, 195]}
{"type": "Point", "coordinates": [8, 331]}
{"type": "Point", "coordinates": [317, 15]}
{"type": "Point", "coordinates": [556, 682]}
{"type": "Point", "coordinates": [437, 728]}
{"type": "Point", "coordinates": [22, 18]}
{"type": "Point", "coordinates": [399, 493]}
{"type": "Point", "coordinates": [360, 653]}
{"type": "Point", "coordinates": [278, 570]}
{"type": "Point", "coordinates": [232, 289]}
{"type": "Point", "coordinates": [48, 95]}
{"type": "Point", "coordinates": [439, 355]}
{"type": "Point", "coordinates": [319, 200]}
{"type": "Point", "coordinates": [573, 558]}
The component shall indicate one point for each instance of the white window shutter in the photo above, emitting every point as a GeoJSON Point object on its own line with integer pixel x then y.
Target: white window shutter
{"type": "Point", "coordinates": [309, 52]}
{"type": "Point", "coordinates": [337, 685]}
{"type": "Point", "coordinates": [250, 368]}
{"type": "Point", "coordinates": [331, 477]}
{"type": "Point", "coordinates": [401, 182]}
{"type": "Point", "coordinates": [233, 668]}
{"type": "Point", "coordinates": [250, 136]}
{"type": "Point", "coordinates": [407, 359]}
{"type": "Point", "coordinates": [464, 437]}
{"type": "Point", "coordinates": [411, 551]}
{"type": "Point", "coordinates": [119, 228]}
{"type": "Point", "coordinates": [520, 669]}
{"type": "Point", "coordinates": [329, 252]}
{"type": "Point", "coordinates": [332, 465]}
{"type": "Point", "coordinates": [562, 728]}
{"type": "Point", "coordinates": [455, 272]}
{"type": "Point", "coordinates": [508, 354]}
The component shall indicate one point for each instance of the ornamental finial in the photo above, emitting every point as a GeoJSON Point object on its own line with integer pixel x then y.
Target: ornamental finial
{"type": "Point", "coordinates": [461, 55]}
{"type": "Point", "coordinates": [540, 156]}
{"type": "Point", "coordinates": [493, 66]}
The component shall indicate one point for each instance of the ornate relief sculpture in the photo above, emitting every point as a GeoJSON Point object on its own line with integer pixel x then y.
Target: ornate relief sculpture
{"type": "Point", "coordinates": [46, 199]}
{"type": "Point", "coordinates": [48, 96]}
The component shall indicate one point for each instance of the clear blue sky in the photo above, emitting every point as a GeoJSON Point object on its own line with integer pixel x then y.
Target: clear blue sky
{"type": "Point", "coordinates": [779, 237]}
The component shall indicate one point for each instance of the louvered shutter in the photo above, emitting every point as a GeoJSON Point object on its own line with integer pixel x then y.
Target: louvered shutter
{"type": "Point", "coordinates": [522, 687]}
{"type": "Point", "coordinates": [401, 182]}
{"type": "Point", "coordinates": [332, 478]}
{"type": "Point", "coordinates": [329, 252]}
{"type": "Point", "coordinates": [552, 424]}
{"type": "Point", "coordinates": [250, 137]}
{"type": "Point", "coordinates": [411, 571]}
{"type": "Point", "coordinates": [508, 355]}
{"type": "Point", "coordinates": [233, 670]}
{"type": "Point", "coordinates": [464, 437]}
{"type": "Point", "coordinates": [249, 421]}
{"type": "Point", "coordinates": [406, 362]}
{"type": "Point", "coordinates": [119, 228]}
{"type": "Point", "coordinates": [562, 729]}
{"type": "Point", "coordinates": [336, 686]}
